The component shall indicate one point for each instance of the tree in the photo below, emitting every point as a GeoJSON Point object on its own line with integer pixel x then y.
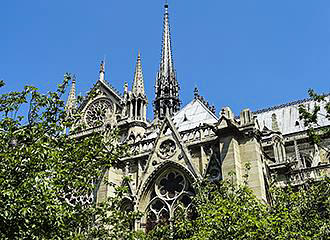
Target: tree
{"type": "Point", "coordinates": [311, 117]}
{"type": "Point", "coordinates": [47, 178]}
{"type": "Point", "coordinates": [224, 210]}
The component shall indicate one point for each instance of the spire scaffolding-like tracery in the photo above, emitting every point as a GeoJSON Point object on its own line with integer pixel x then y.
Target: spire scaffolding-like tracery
{"type": "Point", "coordinates": [167, 88]}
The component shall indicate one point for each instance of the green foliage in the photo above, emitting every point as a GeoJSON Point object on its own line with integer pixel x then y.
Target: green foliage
{"type": "Point", "coordinates": [302, 213]}
{"type": "Point", "coordinates": [311, 117]}
{"type": "Point", "coordinates": [226, 211]}
{"type": "Point", "coordinates": [40, 167]}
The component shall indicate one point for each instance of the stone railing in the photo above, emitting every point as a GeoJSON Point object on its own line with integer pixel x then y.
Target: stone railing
{"type": "Point", "coordinates": [300, 176]}
{"type": "Point", "coordinates": [142, 146]}
{"type": "Point", "coordinates": [189, 136]}
{"type": "Point", "coordinates": [197, 134]}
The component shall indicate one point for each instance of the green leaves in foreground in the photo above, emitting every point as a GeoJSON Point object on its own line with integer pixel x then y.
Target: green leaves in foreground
{"type": "Point", "coordinates": [41, 168]}
{"type": "Point", "coordinates": [232, 212]}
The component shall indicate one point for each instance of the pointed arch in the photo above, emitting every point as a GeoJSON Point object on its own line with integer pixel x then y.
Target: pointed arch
{"type": "Point", "coordinates": [166, 190]}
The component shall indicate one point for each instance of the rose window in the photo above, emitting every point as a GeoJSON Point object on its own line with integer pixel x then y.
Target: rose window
{"type": "Point", "coordinates": [170, 192]}
{"type": "Point", "coordinates": [96, 113]}
{"type": "Point", "coordinates": [167, 149]}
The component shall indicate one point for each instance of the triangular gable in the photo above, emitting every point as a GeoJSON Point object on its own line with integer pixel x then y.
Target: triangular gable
{"type": "Point", "coordinates": [225, 122]}
{"type": "Point", "coordinates": [213, 169]}
{"type": "Point", "coordinates": [105, 89]}
{"type": "Point", "coordinates": [169, 147]}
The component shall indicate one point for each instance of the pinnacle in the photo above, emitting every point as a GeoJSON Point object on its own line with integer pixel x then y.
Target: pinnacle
{"type": "Point", "coordinates": [71, 103]}
{"type": "Point", "coordinates": [138, 83]}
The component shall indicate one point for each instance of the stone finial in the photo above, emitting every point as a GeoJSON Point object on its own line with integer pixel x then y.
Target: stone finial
{"type": "Point", "coordinates": [102, 71]}
{"type": "Point", "coordinates": [227, 112]}
{"type": "Point", "coordinates": [196, 93]}
{"type": "Point", "coordinates": [246, 117]}
{"type": "Point", "coordinates": [213, 109]}
{"type": "Point", "coordinates": [125, 88]}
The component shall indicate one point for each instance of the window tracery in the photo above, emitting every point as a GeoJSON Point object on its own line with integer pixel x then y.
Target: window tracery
{"type": "Point", "coordinates": [97, 112]}
{"type": "Point", "coordinates": [167, 149]}
{"type": "Point", "coordinates": [171, 191]}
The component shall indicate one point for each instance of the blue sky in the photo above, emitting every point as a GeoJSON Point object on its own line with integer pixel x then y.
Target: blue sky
{"type": "Point", "coordinates": [239, 53]}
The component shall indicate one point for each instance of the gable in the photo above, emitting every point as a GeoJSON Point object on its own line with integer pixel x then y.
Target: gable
{"type": "Point", "coordinates": [170, 150]}
{"type": "Point", "coordinates": [101, 88]}
{"type": "Point", "coordinates": [101, 106]}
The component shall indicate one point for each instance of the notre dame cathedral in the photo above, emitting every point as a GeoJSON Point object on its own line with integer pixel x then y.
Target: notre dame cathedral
{"type": "Point", "coordinates": [185, 143]}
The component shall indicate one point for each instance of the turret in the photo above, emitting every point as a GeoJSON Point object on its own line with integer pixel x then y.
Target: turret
{"type": "Point", "coordinates": [137, 100]}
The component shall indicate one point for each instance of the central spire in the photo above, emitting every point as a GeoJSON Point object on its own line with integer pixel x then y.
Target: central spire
{"type": "Point", "coordinates": [167, 87]}
{"type": "Point", "coordinates": [166, 65]}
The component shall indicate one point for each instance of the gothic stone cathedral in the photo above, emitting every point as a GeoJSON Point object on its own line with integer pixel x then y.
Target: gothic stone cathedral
{"type": "Point", "coordinates": [185, 143]}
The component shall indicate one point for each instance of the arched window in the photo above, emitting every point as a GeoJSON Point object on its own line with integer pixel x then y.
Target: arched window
{"type": "Point", "coordinates": [128, 206]}
{"type": "Point", "coordinates": [170, 191]}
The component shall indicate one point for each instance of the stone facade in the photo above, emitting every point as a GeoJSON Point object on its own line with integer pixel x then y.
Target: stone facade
{"type": "Point", "coordinates": [183, 145]}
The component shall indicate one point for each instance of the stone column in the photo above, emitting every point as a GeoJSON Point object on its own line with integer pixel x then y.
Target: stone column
{"type": "Point", "coordinates": [145, 112]}
{"type": "Point", "coordinates": [202, 160]}
{"type": "Point", "coordinates": [252, 153]}
{"type": "Point", "coordinates": [136, 109]}
{"type": "Point", "coordinates": [131, 110]}
{"type": "Point", "coordinates": [231, 159]}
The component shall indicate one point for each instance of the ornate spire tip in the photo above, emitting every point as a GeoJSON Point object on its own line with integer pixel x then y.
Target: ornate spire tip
{"type": "Point", "coordinates": [166, 5]}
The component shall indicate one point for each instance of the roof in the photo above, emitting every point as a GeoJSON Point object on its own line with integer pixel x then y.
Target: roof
{"type": "Point", "coordinates": [192, 115]}
{"type": "Point", "coordinates": [287, 116]}
{"type": "Point", "coordinates": [298, 102]}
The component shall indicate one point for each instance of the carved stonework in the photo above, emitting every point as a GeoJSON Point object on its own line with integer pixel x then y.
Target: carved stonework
{"type": "Point", "coordinates": [214, 167]}
{"type": "Point", "coordinates": [78, 197]}
{"type": "Point", "coordinates": [98, 112]}
{"type": "Point", "coordinates": [171, 191]}
{"type": "Point", "coordinates": [167, 149]}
